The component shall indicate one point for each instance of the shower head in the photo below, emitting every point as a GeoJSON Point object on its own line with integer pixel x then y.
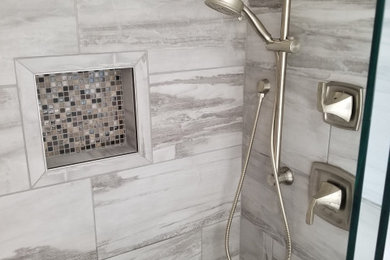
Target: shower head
{"type": "Point", "coordinates": [235, 8]}
{"type": "Point", "coordinates": [229, 7]}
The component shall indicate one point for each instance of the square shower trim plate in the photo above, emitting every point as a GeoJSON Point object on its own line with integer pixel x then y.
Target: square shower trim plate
{"type": "Point", "coordinates": [28, 68]}
{"type": "Point", "coordinates": [323, 172]}
{"type": "Point", "coordinates": [328, 89]}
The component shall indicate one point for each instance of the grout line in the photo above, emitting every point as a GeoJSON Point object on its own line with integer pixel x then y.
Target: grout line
{"type": "Point", "coordinates": [94, 217]}
{"type": "Point", "coordinates": [330, 138]}
{"type": "Point", "coordinates": [9, 86]}
{"type": "Point", "coordinates": [39, 188]}
{"type": "Point", "coordinates": [198, 69]}
{"type": "Point", "coordinates": [194, 231]}
{"type": "Point", "coordinates": [77, 26]}
{"type": "Point", "coordinates": [122, 170]}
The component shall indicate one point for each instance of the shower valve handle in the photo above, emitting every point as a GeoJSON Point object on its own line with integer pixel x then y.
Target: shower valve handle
{"type": "Point", "coordinates": [328, 195]}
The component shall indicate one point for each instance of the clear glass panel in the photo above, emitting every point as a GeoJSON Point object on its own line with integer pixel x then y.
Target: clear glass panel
{"type": "Point", "coordinates": [376, 126]}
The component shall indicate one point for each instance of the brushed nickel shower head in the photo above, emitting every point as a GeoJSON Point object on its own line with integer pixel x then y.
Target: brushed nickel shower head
{"type": "Point", "coordinates": [228, 7]}
{"type": "Point", "coordinates": [236, 8]}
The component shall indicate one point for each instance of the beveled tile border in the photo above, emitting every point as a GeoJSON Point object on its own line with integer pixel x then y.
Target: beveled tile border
{"type": "Point", "coordinates": [27, 68]}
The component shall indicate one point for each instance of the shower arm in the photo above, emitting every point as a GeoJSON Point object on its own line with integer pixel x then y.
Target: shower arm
{"type": "Point", "coordinates": [284, 44]}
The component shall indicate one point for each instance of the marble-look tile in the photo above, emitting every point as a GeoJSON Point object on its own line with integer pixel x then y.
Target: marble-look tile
{"type": "Point", "coordinates": [265, 4]}
{"type": "Point", "coordinates": [13, 164]}
{"type": "Point", "coordinates": [196, 111]}
{"type": "Point", "coordinates": [331, 40]}
{"type": "Point", "coordinates": [302, 124]}
{"type": "Point", "coordinates": [37, 27]}
{"type": "Point", "coordinates": [334, 47]}
{"type": "Point", "coordinates": [344, 149]}
{"type": "Point", "coordinates": [194, 37]}
{"type": "Point", "coordinates": [187, 246]}
{"type": "Point", "coordinates": [213, 240]}
{"type": "Point", "coordinates": [255, 46]}
{"type": "Point", "coordinates": [146, 205]}
{"type": "Point", "coordinates": [258, 245]}
{"type": "Point", "coordinates": [278, 252]}
{"type": "Point", "coordinates": [185, 59]}
{"type": "Point", "coordinates": [49, 223]}
{"type": "Point", "coordinates": [254, 243]}
{"type": "Point", "coordinates": [260, 206]}
{"type": "Point", "coordinates": [262, 138]}
{"type": "Point", "coordinates": [305, 136]}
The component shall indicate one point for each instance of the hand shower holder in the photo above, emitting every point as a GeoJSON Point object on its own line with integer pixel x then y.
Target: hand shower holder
{"type": "Point", "coordinates": [290, 45]}
{"type": "Point", "coordinates": [286, 176]}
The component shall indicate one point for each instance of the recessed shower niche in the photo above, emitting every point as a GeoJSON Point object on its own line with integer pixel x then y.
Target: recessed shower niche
{"type": "Point", "coordinates": [84, 115]}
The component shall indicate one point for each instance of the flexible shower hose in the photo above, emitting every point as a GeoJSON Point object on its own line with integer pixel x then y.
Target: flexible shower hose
{"type": "Point", "coordinates": [241, 182]}
{"type": "Point", "coordinates": [242, 177]}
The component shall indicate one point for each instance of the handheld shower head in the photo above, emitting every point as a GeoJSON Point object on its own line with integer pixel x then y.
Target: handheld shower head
{"type": "Point", "coordinates": [235, 8]}
{"type": "Point", "coordinates": [228, 7]}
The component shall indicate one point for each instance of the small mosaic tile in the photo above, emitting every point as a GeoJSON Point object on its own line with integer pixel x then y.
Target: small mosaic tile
{"type": "Point", "coordinates": [81, 111]}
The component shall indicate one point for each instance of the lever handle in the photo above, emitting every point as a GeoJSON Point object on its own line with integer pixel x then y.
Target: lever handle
{"type": "Point", "coordinates": [328, 195]}
{"type": "Point", "coordinates": [339, 104]}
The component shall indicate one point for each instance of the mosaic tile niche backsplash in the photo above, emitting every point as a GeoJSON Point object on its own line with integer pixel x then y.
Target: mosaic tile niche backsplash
{"type": "Point", "coordinates": [83, 115]}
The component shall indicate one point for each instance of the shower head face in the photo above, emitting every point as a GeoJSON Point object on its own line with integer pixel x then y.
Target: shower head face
{"type": "Point", "coordinates": [229, 7]}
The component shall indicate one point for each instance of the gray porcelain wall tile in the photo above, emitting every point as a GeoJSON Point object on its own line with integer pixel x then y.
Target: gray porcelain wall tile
{"type": "Point", "coordinates": [344, 149]}
{"type": "Point", "coordinates": [334, 47]}
{"type": "Point", "coordinates": [278, 252]}
{"type": "Point", "coordinates": [258, 245]}
{"type": "Point", "coordinates": [260, 206]}
{"type": "Point", "coordinates": [302, 125]}
{"type": "Point", "coordinates": [302, 122]}
{"type": "Point", "coordinates": [305, 135]}
{"type": "Point", "coordinates": [184, 59]}
{"type": "Point", "coordinates": [196, 111]}
{"type": "Point", "coordinates": [13, 165]}
{"type": "Point", "coordinates": [187, 246]}
{"type": "Point", "coordinates": [163, 200]}
{"type": "Point", "coordinates": [213, 240]}
{"type": "Point", "coordinates": [192, 37]}
{"type": "Point", "coordinates": [254, 244]}
{"type": "Point", "coordinates": [35, 28]}
{"type": "Point", "coordinates": [265, 3]}
{"type": "Point", "coordinates": [49, 223]}
{"type": "Point", "coordinates": [341, 43]}
{"type": "Point", "coordinates": [252, 75]}
{"type": "Point", "coordinates": [255, 46]}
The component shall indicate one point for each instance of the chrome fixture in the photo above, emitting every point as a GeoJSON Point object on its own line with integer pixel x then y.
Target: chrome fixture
{"type": "Point", "coordinates": [263, 88]}
{"type": "Point", "coordinates": [330, 195]}
{"type": "Point", "coordinates": [341, 104]}
{"type": "Point", "coordinates": [281, 47]}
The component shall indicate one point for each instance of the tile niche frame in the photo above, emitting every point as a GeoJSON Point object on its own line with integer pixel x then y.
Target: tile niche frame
{"type": "Point", "coordinates": [27, 68]}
